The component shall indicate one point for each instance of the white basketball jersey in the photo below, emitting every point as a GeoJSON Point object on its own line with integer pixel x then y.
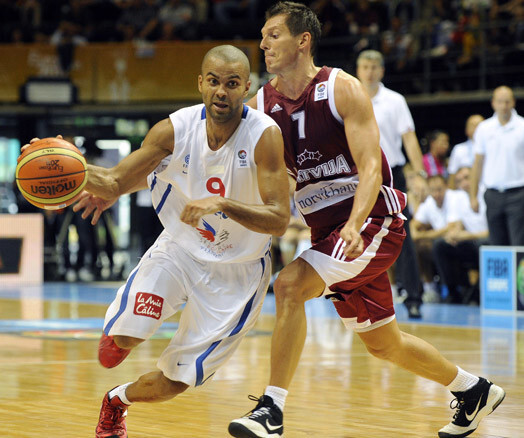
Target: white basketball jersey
{"type": "Point", "coordinates": [194, 171]}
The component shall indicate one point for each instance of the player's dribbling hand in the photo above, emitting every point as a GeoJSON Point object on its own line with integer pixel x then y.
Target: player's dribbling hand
{"type": "Point", "coordinates": [194, 210]}
{"type": "Point", "coordinates": [354, 245]}
{"type": "Point", "coordinates": [92, 204]}
{"type": "Point", "coordinates": [33, 140]}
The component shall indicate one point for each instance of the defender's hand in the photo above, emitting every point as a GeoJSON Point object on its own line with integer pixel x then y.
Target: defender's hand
{"type": "Point", "coordinates": [354, 245]}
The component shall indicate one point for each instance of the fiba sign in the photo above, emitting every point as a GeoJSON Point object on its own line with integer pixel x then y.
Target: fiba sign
{"type": "Point", "coordinates": [502, 278]}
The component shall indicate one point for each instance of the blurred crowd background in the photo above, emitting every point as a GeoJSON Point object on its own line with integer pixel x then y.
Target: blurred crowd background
{"type": "Point", "coordinates": [476, 39]}
{"type": "Point", "coordinates": [444, 56]}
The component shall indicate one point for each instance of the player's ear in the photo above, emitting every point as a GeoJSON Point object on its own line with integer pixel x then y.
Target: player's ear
{"type": "Point", "coordinates": [200, 80]}
{"type": "Point", "coordinates": [305, 41]}
{"type": "Point", "coordinates": [248, 86]}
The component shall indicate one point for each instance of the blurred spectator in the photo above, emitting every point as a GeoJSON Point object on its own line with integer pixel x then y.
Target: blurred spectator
{"type": "Point", "coordinates": [136, 15]}
{"type": "Point", "coordinates": [365, 20]}
{"type": "Point", "coordinates": [175, 20]}
{"type": "Point", "coordinates": [224, 11]}
{"type": "Point", "coordinates": [30, 14]}
{"type": "Point", "coordinates": [499, 165]}
{"type": "Point", "coordinates": [516, 27]}
{"type": "Point", "coordinates": [467, 36]}
{"type": "Point", "coordinates": [456, 254]}
{"type": "Point", "coordinates": [435, 160]}
{"type": "Point", "coordinates": [396, 127]}
{"type": "Point", "coordinates": [462, 154]}
{"type": "Point", "coordinates": [70, 33]}
{"type": "Point", "coordinates": [430, 223]}
{"type": "Point", "coordinates": [329, 13]}
{"type": "Point", "coordinates": [398, 45]}
{"type": "Point", "coordinates": [149, 225]}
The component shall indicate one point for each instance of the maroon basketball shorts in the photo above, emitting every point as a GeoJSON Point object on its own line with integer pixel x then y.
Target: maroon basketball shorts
{"type": "Point", "coordinates": [359, 287]}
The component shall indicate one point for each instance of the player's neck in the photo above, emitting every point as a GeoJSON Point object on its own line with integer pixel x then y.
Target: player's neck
{"type": "Point", "coordinates": [219, 133]}
{"type": "Point", "coordinates": [293, 82]}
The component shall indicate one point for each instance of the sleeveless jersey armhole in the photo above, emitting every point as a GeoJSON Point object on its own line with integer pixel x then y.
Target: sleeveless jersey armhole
{"type": "Point", "coordinates": [260, 99]}
{"type": "Point", "coordinates": [331, 94]}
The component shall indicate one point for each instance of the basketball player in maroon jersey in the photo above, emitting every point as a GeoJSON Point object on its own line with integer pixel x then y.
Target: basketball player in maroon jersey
{"type": "Point", "coordinates": [345, 194]}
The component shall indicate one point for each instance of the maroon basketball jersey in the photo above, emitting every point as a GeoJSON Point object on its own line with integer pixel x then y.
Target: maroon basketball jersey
{"type": "Point", "coordinates": [317, 154]}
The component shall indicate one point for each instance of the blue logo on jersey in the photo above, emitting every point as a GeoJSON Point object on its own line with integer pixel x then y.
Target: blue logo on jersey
{"type": "Point", "coordinates": [185, 164]}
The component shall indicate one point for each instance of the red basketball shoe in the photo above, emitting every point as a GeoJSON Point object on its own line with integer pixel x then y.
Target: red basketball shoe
{"type": "Point", "coordinates": [112, 421]}
{"type": "Point", "coordinates": [110, 354]}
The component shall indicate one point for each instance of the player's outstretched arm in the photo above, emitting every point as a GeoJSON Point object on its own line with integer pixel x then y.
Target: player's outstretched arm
{"type": "Point", "coordinates": [270, 218]}
{"type": "Point", "coordinates": [130, 174]}
{"type": "Point", "coordinates": [354, 106]}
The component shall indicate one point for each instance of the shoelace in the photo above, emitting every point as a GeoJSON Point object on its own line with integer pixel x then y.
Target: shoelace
{"type": "Point", "coordinates": [259, 412]}
{"type": "Point", "coordinates": [253, 413]}
{"type": "Point", "coordinates": [112, 416]}
{"type": "Point", "coordinates": [457, 404]}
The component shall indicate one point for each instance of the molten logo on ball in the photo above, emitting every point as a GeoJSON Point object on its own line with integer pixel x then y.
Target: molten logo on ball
{"type": "Point", "coordinates": [55, 189]}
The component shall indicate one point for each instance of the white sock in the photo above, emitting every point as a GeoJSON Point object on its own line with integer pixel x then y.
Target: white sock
{"type": "Point", "coordinates": [463, 381]}
{"type": "Point", "coordinates": [278, 395]}
{"type": "Point", "coordinates": [120, 391]}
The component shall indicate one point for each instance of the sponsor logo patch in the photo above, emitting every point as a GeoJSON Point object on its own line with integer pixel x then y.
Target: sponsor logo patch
{"type": "Point", "coordinates": [149, 305]}
{"type": "Point", "coordinates": [321, 91]}
{"type": "Point", "coordinates": [242, 159]}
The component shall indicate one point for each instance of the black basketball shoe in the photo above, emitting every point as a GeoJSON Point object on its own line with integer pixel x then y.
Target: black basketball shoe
{"type": "Point", "coordinates": [265, 421]}
{"type": "Point", "coordinates": [471, 407]}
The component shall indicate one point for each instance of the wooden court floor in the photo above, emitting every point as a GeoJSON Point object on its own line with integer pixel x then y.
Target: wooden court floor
{"type": "Point", "coordinates": [51, 384]}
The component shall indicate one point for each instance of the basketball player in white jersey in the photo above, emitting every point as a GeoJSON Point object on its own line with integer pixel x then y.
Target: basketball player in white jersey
{"type": "Point", "coordinates": [217, 177]}
{"type": "Point", "coordinates": [344, 193]}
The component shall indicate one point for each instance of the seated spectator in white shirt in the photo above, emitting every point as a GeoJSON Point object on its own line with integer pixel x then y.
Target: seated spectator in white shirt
{"type": "Point", "coordinates": [430, 223]}
{"type": "Point", "coordinates": [456, 254]}
{"type": "Point", "coordinates": [417, 189]}
{"type": "Point", "coordinates": [462, 154]}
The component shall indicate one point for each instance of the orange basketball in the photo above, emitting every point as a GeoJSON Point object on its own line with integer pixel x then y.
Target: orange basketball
{"type": "Point", "coordinates": [51, 173]}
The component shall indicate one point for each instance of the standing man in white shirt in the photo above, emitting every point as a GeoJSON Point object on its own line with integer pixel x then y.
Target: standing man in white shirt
{"type": "Point", "coordinates": [462, 154]}
{"type": "Point", "coordinates": [396, 127]}
{"type": "Point", "coordinates": [499, 165]}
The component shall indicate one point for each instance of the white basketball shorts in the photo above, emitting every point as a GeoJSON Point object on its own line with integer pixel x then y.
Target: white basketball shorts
{"type": "Point", "coordinates": [222, 303]}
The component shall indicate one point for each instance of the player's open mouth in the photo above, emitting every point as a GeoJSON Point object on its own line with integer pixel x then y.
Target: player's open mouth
{"type": "Point", "coordinates": [220, 105]}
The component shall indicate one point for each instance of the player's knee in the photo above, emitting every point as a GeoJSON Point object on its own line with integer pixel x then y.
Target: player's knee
{"type": "Point", "coordinates": [127, 342]}
{"type": "Point", "coordinates": [287, 289]}
{"type": "Point", "coordinates": [168, 388]}
{"type": "Point", "coordinates": [173, 388]}
{"type": "Point", "coordinates": [380, 352]}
